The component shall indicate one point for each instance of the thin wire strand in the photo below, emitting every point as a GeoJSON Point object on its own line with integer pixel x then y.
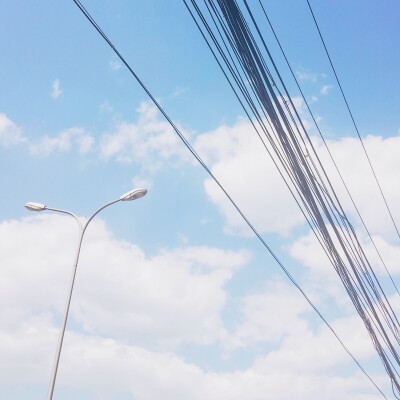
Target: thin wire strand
{"type": "Point", "coordinates": [353, 120]}
{"type": "Point", "coordinates": [328, 149]}
{"type": "Point", "coordinates": [363, 288]}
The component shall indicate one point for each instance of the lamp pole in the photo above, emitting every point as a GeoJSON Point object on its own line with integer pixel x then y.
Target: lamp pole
{"type": "Point", "coordinates": [31, 206]}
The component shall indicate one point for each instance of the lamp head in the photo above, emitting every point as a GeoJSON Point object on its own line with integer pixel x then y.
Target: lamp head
{"type": "Point", "coordinates": [31, 206]}
{"type": "Point", "coordinates": [133, 194]}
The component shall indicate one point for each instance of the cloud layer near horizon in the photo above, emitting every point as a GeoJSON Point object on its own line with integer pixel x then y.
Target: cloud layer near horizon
{"type": "Point", "coordinates": [131, 315]}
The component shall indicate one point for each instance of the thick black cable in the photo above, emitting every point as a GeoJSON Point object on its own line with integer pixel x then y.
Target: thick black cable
{"type": "Point", "coordinates": [305, 178]}
{"type": "Point", "coordinates": [320, 202]}
{"type": "Point", "coordinates": [329, 152]}
{"type": "Point", "coordinates": [187, 144]}
{"type": "Point", "coordinates": [253, 109]}
{"type": "Point", "coordinates": [385, 317]}
{"type": "Point", "coordinates": [310, 215]}
{"type": "Point", "coordinates": [255, 114]}
{"type": "Point", "coordinates": [281, 110]}
{"type": "Point", "coordinates": [340, 263]}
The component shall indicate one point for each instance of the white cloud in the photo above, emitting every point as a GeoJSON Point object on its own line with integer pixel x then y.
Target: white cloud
{"type": "Point", "coordinates": [390, 254]}
{"type": "Point", "coordinates": [160, 300]}
{"type": "Point", "coordinates": [356, 171]}
{"type": "Point", "coordinates": [175, 297]}
{"type": "Point", "coordinates": [325, 89]}
{"type": "Point", "coordinates": [85, 143]}
{"type": "Point", "coordinates": [108, 368]}
{"type": "Point", "coordinates": [268, 317]}
{"type": "Point", "coordinates": [306, 76]}
{"type": "Point", "coordinates": [140, 182]}
{"type": "Point", "coordinates": [62, 142]}
{"type": "Point", "coordinates": [10, 134]}
{"type": "Point", "coordinates": [150, 141]}
{"type": "Point", "coordinates": [322, 283]}
{"type": "Point", "coordinates": [238, 159]}
{"type": "Point", "coordinates": [56, 92]}
{"type": "Point", "coordinates": [105, 107]}
{"type": "Point", "coordinates": [115, 65]}
{"type": "Point", "coordinates": [319, 351]}
{"type": "Point", "coordinates": [162, 294]}
{"type": "Point", "coordinates": [235, 155]}
{"type": "Point", "coordinates": [276, 316]}
{"type": "Point", "coordinates": [322, 280]}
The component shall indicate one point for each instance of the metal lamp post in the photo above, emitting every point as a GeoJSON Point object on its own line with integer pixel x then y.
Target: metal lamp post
{"type": "Point", "coordinates": [131, 195]}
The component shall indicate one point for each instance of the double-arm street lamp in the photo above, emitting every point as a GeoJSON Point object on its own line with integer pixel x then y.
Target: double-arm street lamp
{"type": "Point", "coordinates": [131, 195]}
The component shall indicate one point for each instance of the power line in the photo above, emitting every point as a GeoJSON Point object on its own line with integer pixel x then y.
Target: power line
{"type": "Point", "coordinates": [353, 120]}
{"type": "Point", "coordinates": [328, 149]}
{"type": "Point", "coordinates": [190, 148]}
{"type": "Point", "coordinates": [322, 208]}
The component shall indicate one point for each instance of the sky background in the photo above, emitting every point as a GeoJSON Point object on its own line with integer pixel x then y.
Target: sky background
{"type": "Point", "coordinates": [174, 297]}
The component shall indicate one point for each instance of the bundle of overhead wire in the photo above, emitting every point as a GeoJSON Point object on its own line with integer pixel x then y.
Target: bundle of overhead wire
{"type": "Point", "coordinates": [252, 74]}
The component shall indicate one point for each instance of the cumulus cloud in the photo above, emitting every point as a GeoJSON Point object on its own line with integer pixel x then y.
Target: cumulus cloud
{"type": "Point", "coordinates": [172, 297]}
{"type": "Point", "coordinates": [10, 134]}
{"type": "Point", "coordinates": [108, 368]}
{"type": "Point", "coordinates": [140, 182]}
{"type": "Point", "coordinates": [303, 75]}
{"type": "Point", "coordinates": [236, 156]}
{"type": "Point", "coordinates": [130, 312]}
{"type": "Point", "coordinates": [238, 159]}
{"type": "Point", "coordinates": [316, 348]}
{"type": "Point", "coordinates": [106, 107]}
{"type": "Point", "coordinates": [323, 281]}
{"type": "Point", "coordinates": [56, 92]}
{"type": "Point", "coordinates": [177, 296]}
{"type": "Point", "coordinates": [283, 306]}
{"type": "Point", "coordinates": [150, 141]}
{"type": "Point", "coordinates": [85, 143]}
{"type": "Point", "coordinates": [351, 160]}
{"type": "Point", "coordinates": [325, 89]}
{"type": "Point", "coordinates": [62, 142]}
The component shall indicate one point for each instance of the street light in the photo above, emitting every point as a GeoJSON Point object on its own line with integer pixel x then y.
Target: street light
{"type": "Point", "coordinates": [31, 206]}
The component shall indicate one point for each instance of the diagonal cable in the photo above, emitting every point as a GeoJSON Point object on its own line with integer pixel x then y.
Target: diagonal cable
{"type": "Point", "coordinates": [353, 120]}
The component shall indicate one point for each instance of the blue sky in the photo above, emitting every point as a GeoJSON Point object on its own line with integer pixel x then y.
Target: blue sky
{"type": "Point", "coordinates": [174, 298]}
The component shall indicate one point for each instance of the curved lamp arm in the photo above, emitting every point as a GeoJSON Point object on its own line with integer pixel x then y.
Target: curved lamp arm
{"type": "Point", "coordinates": [96, 212]}
{"type": "Point", "coordinates": [82, 228]}
{"type": "Point", "coordinates": [66, 212]}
